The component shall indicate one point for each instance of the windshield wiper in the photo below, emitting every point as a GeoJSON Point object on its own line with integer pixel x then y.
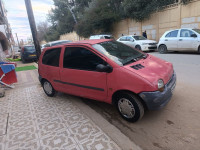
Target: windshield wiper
{"type": "Point", "coordinates": [130, 61]}
{"type": "Point", "coordinates": [142, 56]}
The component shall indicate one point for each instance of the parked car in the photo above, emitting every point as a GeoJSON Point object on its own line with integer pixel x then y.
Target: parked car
{"type": "Point", "coordinates": [17, 51]}
{"type": "Point", "coordinates": [28, 53]}
{"type": "Point", "coordinates": [180, 40]}
{"type": "Point", "coordinates": [138, 42]}
{"type": "Point", "coordinates": [54, 43]}
{"type": "Point", "coordinates": [101, 36]}
{"type": "Point", "coordinates": [108, 71]}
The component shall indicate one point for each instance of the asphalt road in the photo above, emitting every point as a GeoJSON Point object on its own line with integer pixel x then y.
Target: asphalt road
{"type": "Point", "coordinates": [175, 127]}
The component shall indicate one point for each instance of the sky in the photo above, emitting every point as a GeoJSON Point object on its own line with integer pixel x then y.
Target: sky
{"type": "Point", "coordinates": [18, 19]}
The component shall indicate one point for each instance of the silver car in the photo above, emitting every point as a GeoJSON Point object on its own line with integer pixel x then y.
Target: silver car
{"type": "Point", "coordinates": [180, 40]}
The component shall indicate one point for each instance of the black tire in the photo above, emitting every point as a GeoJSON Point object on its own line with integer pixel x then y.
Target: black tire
{"type": "Point", "coordinates": [127, 103]}
{"type": "Point", "coordinates": [48, 88]}
{"type": "Point", "coordinates": [23, 60]}
{"type": "Point", "coordinates": [199, 49]}
{"type": "Point", "coordinates": [162, 49]}
{"type": "Point", "coordinates": [138, 47]}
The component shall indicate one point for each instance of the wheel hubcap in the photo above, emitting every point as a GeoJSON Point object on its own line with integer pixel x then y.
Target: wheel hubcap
{"type": "Point", "coordinates": [48, 87]}
{"type": "Point", "coordinates": [126, 108]}
{"type": "Point", "coordinates": [162, 48]}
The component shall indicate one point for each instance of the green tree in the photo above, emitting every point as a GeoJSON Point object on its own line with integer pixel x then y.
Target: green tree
{"type": "Point", "coordinates": [98, 17]}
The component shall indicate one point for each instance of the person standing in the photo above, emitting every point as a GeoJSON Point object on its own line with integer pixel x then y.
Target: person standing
{"type": "Point", "coordinates": [144, 34]}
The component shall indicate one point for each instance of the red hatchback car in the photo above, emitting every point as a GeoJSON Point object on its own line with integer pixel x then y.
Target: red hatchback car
{"type": "Point", "coordinates": [108, 71]}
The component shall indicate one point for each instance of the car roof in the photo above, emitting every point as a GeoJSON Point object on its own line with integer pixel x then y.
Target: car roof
{"type": "Point", "coordinates": [90, 42]}
{"type": "Point", "coordinates": [28, 45]}
{"type": "Point", "coordinates": [102, 35]}
{"type": "Point", "coordinates": [58, 41]}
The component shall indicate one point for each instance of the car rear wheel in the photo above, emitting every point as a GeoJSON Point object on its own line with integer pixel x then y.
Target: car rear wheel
{"type": "Point", "coordinates": [23, 60]}
{"type": "Point", "coordinates": [199, 49]}
{"type": "Point", "coordinates": [138, 47]}
{"type": "Point", "coordinates": [48, 88]}
{"type": "Point", "coordinates": [162, 49]}
{"type": "Point", "coordinates": [130, 107]}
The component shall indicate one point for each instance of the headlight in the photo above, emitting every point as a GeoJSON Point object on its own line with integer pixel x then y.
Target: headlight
{"type": "Point", "coordinates": [161, 85]}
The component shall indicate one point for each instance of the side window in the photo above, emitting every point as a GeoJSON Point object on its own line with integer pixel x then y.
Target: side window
{"type": "Point", "coordinates": [52, 57]}
{"type": "Point", "coordinates": [172, 34]}
{"type": "Point", "coordinates": [123, 38]}
{"type": "Point", "coordinates": [186, 33]}
{"type": "Point", "coordinates": [81, 59]}
{"type": "Point", "coordinates": [129, 39]}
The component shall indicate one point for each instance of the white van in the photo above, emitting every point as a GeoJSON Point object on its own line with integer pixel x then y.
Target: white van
{"type": "Point", "coordinates": [101, 36]}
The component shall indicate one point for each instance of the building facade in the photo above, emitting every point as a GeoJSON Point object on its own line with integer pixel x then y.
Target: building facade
{"type": "Point", "coordinates": [6, 38]}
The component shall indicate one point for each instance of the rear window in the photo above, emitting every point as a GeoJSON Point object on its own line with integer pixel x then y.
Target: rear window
{"type": "Point", "coordinates": [52, 57]}
{"type": "Point", "coordinates": [108, 37]}
{"type": "Point", "coordinates": [29, 48]}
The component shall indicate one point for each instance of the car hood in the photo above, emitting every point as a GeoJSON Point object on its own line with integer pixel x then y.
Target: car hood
{"type": "Point", "coordinates": [152, 69]}
{"type": "Point", "coordinates": [146, 41]}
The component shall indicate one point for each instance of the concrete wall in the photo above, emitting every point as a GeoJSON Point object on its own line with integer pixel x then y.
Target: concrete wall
{"type": "Point", "coordinates": [71, 36]}
{"type": "Point", "coordinates": [173, 17]}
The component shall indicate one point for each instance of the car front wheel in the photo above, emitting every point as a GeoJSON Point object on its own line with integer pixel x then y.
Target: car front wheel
{"type": "Point", "coordinates": [138, 47]}
{"type": "Point", "coordinates": [48, 88]}
{"type": "Point", "coordinates": [162, 49]}
{"type": "Point", "coordinates": [130, 107]}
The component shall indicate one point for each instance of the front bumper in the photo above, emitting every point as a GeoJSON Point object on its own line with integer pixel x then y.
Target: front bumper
{"type": "Point", "coordinates": [148, 47]}
{"type": "Point", "coordinates": [157, 100]}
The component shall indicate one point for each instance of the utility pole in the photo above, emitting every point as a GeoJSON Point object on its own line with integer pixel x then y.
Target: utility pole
{"type": "Point", "coordinates": [17, 40]}
{"type": "Point", "coordinates": [33, 27]}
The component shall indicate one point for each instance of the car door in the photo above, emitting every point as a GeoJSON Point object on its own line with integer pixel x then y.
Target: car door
{"type": "Point", "coordinates": [49, 68]}
{"type": "Point", "coordinates": [130, 41]}
{"type": "Point", "coordinates": [171, 40]}
{"type": "Point", "coordinates": [123, 39]}
{"type": "Point", "coordinates": [79, 76]}
{"type": "Point", "coordinates": [186, 41]}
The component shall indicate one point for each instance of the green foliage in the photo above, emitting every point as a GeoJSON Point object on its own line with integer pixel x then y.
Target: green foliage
{"type": "Point", "coordinates": [98, 17]}
{"type": "Point", "coordinates": [89, 17]}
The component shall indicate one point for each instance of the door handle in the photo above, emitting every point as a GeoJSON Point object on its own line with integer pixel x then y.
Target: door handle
{"type": "Point", "coordinates": [166, 40]}
{"type": "Point", "coordinates": [180, 39]}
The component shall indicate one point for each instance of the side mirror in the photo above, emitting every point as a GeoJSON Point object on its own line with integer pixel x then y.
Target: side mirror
{"type": "Point", "coordinates": [194, 35]}
{"type": "Point", "coordinates": [103, 68]}
{"type": "Point", "coordinates": [19, 50]}
{"type": "Point", "coordinates": [132, 40]}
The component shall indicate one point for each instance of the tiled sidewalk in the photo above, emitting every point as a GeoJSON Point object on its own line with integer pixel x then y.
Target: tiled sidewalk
{"type": "Point", "coordinates": [29, 120]}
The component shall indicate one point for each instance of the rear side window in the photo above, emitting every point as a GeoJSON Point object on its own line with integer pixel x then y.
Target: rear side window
{"type": "Point", "coordinates": [186, 33]}
{"type": "Point", "coordinates": [81, 59]}
{"type": "Point", "coordinates": [123, 38]}
{"type": "Point", "coordinates": [172, 34]}
{"type": "Point", "coordinates": [52, 57]}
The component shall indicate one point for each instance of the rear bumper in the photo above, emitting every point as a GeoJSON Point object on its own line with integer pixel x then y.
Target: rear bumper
{"type": "Point", "coordinates": [157, 100]}
{"type": "Point", "coordinates": [29, 56]}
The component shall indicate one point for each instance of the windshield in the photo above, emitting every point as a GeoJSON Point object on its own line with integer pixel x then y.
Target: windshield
{"type": "Point", "coordinates": [197, 30]}
{"type": "Point", "coordinates": [29, 48]}
{"type": "Point", "coordinates": [118, 52]}
{"type": "Point", "coordinates": [137, 38]}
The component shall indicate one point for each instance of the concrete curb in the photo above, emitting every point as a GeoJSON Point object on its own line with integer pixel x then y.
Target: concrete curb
{"type": "Point", "coordinates": [115, 134]}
